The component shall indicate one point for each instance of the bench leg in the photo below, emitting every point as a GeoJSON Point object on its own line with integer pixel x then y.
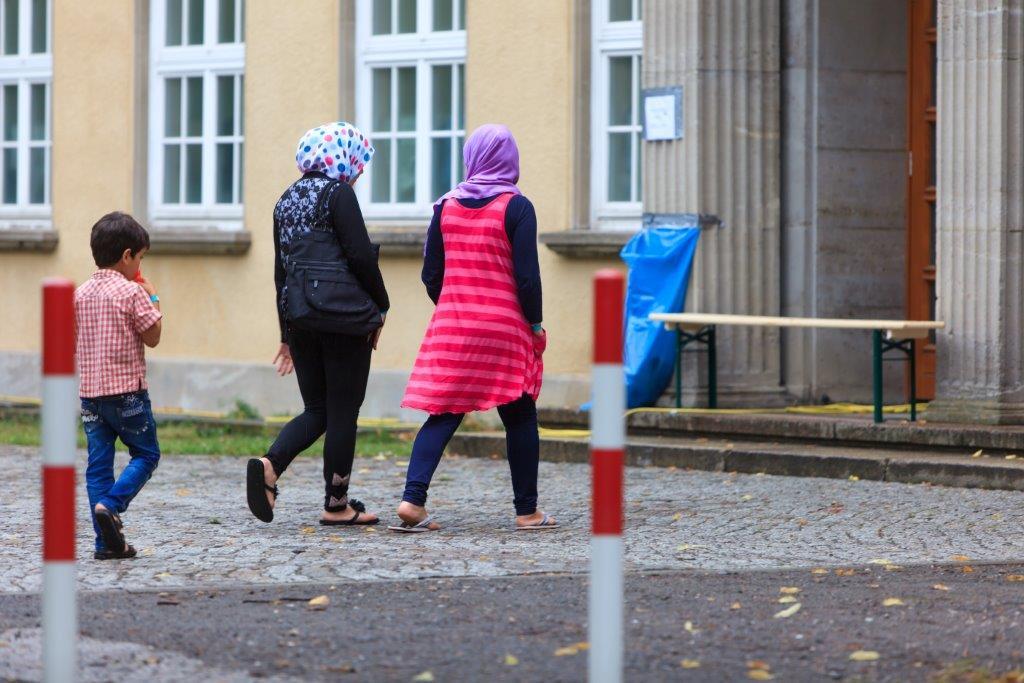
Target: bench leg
{"type": "Point", "coordinates": [876, 373]}
{"type": "Point", "coordinates": [913, 380]}
{"type": "Point", "coordinates": [679, 368]}
{"type": "Point", "coordinates": [712, 369]}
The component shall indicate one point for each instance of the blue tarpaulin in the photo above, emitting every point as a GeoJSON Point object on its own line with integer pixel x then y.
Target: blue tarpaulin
{"type": "Point", "coordinates": [660, 259]}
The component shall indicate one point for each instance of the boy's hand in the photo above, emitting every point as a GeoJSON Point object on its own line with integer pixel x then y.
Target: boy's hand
{"type": "Point", "coordinates": [146, 285]}
{"type": "Point", "coordinates": [283, 360]}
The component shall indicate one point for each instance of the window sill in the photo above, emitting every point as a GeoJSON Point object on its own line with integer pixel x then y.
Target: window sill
{"type": "Point", "coordinates": [399, 241]}
{"type": "Point", "coordinates": [31, 239]}
{"type": "Point", "coordinates": [199, 242]}
{"type": "Point", "coordinates": [587, 244]}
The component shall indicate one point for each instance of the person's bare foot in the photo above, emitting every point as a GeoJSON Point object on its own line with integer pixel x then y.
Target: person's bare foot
{"type": "Point", "coordinates": [534, 519]}
{"type": "Point", "coordinates": [414, 514]}
{"type": "Point", "coordinates": [349, 513]}
{"type": "Point", "coordinates": [271, 478]}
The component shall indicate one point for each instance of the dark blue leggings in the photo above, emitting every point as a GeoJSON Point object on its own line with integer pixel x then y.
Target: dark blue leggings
{"type": "Point", "coordinates": [522, 448]}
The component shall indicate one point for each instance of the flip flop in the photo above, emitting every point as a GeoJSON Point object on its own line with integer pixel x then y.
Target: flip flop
{"type": "Point", "coordinates": [355, 521]}
{"type": "Point", "coordinates": [255, 491]}
{"type": "Point", "coordinates": [110, 531]}
{"type": "Point", "coordinates": [545, 523]}
{"type": "Point", "coordinates": [428, 524]}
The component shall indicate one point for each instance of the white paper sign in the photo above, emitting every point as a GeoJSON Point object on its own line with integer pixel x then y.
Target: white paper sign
{"type": "Point", "coordinates": [660, 113]}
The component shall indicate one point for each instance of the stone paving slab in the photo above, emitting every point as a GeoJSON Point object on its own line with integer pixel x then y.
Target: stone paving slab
{"type": "Point", "coordinates": [192, 527]}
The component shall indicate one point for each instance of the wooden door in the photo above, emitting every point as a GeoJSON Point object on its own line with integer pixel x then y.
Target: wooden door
{"type": "Point", "coordinates": [921, 51]}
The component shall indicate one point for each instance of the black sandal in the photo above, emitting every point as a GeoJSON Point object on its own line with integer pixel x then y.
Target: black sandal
{"type": "Point", "coordinates": [355, 521]}
{"type": "Point", "coordinates": [110, 531]}
{"type": "Point", "coordinates": [255, 491]}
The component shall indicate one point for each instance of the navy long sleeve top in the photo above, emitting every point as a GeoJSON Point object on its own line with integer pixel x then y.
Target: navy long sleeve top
{"type": "Point", "coordinates": [521, 228]}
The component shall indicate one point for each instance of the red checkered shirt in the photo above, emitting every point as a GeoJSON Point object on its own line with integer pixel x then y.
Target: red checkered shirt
{"type": "Point", "coordinates": [111, 314]}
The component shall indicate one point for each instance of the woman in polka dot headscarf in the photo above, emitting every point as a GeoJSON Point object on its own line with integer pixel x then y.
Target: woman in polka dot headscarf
{"type": "Point", "coordinates": [331, 305]}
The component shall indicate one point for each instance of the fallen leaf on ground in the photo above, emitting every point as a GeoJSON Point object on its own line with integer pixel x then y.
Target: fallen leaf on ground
{"type": "Point", "coordinates": [511, 660]}
{"type": "Point", "coordinates": [425, 677]}
{"type": "Point", "coordinates": [941, 587]}
{"type": "Point", "coordinates": [892, 567]}
{"type": "Point", "coordinates": [183, 492]}
{"type": "Point", "coordinates": [760, 675]}
{"type": "Point", "coordinates": [845, 572]}
{"type": "Point", "coordinates": [307, 530]}
{"type": "Point", "coordinates": [1011, 456]}
{"type": "Point", "coordinates": [758, 664]}
{"type": "Point", "coordinates": [892, 602]}
{"type": "Point", "coordinates": [319, 602]}
{"type": "Point", "coordinates": [882, 562]}
{"type": "Point", "coordinates": [690, 664]}
{"type": "Point", "coordinates": [687, 546]}
{"type": "Point", "coordinates": [864, 656]}
{"type": "Point", "coordinates": [401, 463]}
{"type": "Point", "coordinates": [341, 669]}
{"type": "Point", "coordinates": [748, 497]}
{"type": "Point", "coordinates": [676, 517]}
{"type": "Point", "coordinates": [735, 605]}
{"type": "Point", "coordinates": [960, 558]}
{"type": "Point", "coordinates": [688, 627]}
{"type": "Point", "coordinates": [819, 570]}
{"type": "Point", "coordinates": [854, 477]}
{"type": "Point", "coordinates": [1015, 577]}
{"type": "Point", "coordinates": [573, 649]}
{"type": "Point", "coordinates": [967, 569]}
{"type": "Point", "coordinates": [787, 599]}
{"type": "Point", "coordinates": [788, 612]}
{"type": "Point", "coordinates": [789, 590]}
{"type": "Point", "coordinates": [977, 454]}
{"type": "Point", "coordinates": [162, 575]}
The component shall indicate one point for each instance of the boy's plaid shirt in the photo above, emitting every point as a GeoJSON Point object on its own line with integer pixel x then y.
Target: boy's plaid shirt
{"type": "Point", "coordinates": [111, 314]}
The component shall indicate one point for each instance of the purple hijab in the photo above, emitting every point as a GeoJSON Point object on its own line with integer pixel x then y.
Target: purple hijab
{"type": "Point", "coordinates": [492, 164]}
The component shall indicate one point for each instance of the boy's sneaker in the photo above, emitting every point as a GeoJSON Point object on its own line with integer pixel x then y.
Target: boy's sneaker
{"type": "Point", "coordinates": [129, 552]}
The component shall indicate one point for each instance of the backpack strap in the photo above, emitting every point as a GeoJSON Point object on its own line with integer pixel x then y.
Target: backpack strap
{"type": "Point", "coordinates": [323, 197]}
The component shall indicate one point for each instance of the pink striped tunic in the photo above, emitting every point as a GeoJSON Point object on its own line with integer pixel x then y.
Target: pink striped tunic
{"type": "Point", "coordinates": [478, 352]}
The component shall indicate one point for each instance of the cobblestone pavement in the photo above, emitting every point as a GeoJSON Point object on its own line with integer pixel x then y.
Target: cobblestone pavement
{"type": "Point", "coordinates": [192, 527]}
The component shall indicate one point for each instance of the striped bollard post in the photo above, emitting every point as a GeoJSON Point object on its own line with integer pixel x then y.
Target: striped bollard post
{"type": "Point", "coordinates": [60, 407]}
{"type": "Point", "coordinates": [607, 439]}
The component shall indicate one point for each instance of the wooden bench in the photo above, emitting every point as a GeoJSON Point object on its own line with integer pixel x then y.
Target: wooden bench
{"type": "Point", "coordinates": [886, 335]}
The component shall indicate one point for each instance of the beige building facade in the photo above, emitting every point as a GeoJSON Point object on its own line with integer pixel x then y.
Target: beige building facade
{"type": "Point", "coordinates": [796, 132]}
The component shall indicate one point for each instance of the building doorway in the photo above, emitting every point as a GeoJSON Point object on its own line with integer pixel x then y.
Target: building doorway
{"type": "Point", "coordinates": [921, 110]}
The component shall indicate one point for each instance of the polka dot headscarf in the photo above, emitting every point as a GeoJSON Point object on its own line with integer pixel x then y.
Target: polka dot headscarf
{"type": "Point", "coordinates": [337, 149]}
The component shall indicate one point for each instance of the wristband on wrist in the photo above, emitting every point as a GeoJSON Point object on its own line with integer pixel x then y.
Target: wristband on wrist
{"type": "Point", "coordinates": [154, 298]}
{"type": "Point", "coordinates": [537, 327]}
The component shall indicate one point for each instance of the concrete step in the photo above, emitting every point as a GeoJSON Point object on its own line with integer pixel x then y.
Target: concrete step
{"type": "Point", "coordinates": [778, 458]}
{"type": "Point", "coordinates": [895, 432]}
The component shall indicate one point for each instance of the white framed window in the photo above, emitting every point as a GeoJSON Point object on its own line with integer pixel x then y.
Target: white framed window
{"type": "Point", "coordinates": [616, 130]}
{"type": "Point", "coordinates": [196, 116]}
{"type": "Point", "coordinates": [26, 74]}
{"type": "Point", "coordinates": [410, 94]}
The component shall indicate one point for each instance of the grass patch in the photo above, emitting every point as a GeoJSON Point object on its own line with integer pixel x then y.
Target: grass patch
{"type": "Point", "coordinates": [189, 438]}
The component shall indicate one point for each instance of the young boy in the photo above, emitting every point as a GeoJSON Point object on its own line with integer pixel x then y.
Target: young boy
{"type": "Point", "coordinates": [116, 312]}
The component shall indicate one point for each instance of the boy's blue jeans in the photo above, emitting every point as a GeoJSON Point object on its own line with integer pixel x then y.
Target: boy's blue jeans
{"type": "Point", "coordinates": [130, 418]}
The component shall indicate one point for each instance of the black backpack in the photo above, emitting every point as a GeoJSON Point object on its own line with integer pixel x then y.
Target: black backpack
{"type": "Point", "coordinates": [322, 293]}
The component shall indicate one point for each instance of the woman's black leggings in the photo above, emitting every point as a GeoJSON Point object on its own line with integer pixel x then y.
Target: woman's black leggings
{"type": "Point", "coordinates": [522, 445]}
{"type": "Point", "coordinates": [332, 370]}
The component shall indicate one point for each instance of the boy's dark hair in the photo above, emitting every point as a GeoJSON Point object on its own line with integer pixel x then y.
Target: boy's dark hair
{"type": "Point", "coordinates": [114, 233]}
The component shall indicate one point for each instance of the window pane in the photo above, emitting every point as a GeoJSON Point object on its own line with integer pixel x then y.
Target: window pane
{"type": "Point", "coordinates": [39, 26]}
{"type": "Point", "coordinates": [462, 97]}
{"type": "Point", "coordinates": [226, 22]}
{"type": "Point", "coordinates": [195, 22]}
{"type": "Point", "coordinates": [381, 17]}
{"type": "Point", "coordinates": [10, 176]}
{"type": "Point", "coordinates": [381, 99]}
{"type": "Point", "coordinates": [172, 174]}
{"type": "Point", "coordinates": [620, 166]}
{"type": "Point", "coordinates": [37, 175]}
{"type": "Point", "coordinates": [407, 16]}
{"type": "Point", "coordinates": [442, 96]}
{"type": "Point", "coordinates": [460, 166]}
{"type": "Point", "coordinates": [620, 10]}
{"type": "Point", "coordinates": [193, 174]}
{"type": "Point", "coordinates": [443, 15]}
{"type": "Point", "coordinates": [241, 172]}
{"type": "Point", "coordinates": [462, 14]}
{"type": "Point", "coordinates": [241, 105]}
{"type": "Point", "coordinates": [10, 112]}
{"type": "Point", "coordinates": [38, 111]}
{"type": "Point", "coordinates": [620, 90]}
{"type": "Point", "coordinates": [638, 166]}
{"type": "Point", "coordinates": [406, 179]}
{"type": "Point", "coordinates": [440, 166]}
{"type": "Point", "coordinates": [194, 101]}
{"type": "Point", "coordinates": [225, 173]}
{"type": "Point", "coordinates": [225, 105]}
{"type": "Point", "coordinates": [380, 174]}
{"type": "Point", "coordinates": [173, 36]}
{"type": "Point", "coordinates": [407, 98]}
{"type": "Point", "coordinates": [172, 107]}
{"type": "Point", "coordinates": [11, 27]}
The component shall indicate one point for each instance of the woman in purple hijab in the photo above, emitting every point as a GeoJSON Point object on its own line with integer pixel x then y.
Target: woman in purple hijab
{"type": "Point", "coordinates": [484, 344]}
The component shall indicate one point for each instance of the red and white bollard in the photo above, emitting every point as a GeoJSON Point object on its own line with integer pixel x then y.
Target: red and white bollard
{"type": "Point", "coordinates": [607, 447]}
{"type": "Point", "coordinates": [60, 407]}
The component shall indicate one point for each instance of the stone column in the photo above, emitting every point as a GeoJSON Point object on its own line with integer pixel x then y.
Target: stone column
{"type": "Point", "coordinates": [980, 279]}
{"type": "Point", "coordinates": [726, 55]}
